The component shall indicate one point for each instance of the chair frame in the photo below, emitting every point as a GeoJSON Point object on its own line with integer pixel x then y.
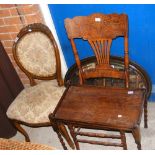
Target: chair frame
{"type": "Point", "coordinates": [100, 38]}
{"type": "Point", "coordinates": [121, 21]}
{"type": "Point", "coordinates": [100, 30]}
{"type": "Point", "coordinates": [39, 27]}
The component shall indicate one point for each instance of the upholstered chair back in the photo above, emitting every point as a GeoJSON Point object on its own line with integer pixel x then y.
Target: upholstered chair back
{"type": "Point", "coordinates": [36, 53]}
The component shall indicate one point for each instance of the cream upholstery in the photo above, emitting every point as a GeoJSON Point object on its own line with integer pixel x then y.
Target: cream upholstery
{"type": "Point", "coordinates": [34, 104]}
{"type": "Point", "coordinates": [36, 53]}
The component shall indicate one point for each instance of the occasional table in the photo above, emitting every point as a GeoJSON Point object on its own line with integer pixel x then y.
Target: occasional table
{"type": "Point", "coordinates": [100, 108]}
{"type": "Point", "coordinates": [138, 77]}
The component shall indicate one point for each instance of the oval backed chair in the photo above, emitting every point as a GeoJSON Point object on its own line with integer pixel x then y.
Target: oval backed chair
{"type": "Point", "coordinates": [36, 53]}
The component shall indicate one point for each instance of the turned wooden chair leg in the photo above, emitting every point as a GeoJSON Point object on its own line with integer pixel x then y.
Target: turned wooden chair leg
{"type": "Point", "coordinates": [137, 136]}
{"type": "Point", "coordinates": [123, 140]}
{"type": "Point", "coordinates": [65, 134]}
{"type": "Point", "coordinates": [22, 131]}
{"type": "Point", "coordinates": [71, 129]}
{"type": "Point", "coordinates": [145, 114]}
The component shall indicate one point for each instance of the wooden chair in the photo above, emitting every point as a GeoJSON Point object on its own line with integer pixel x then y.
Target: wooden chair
{"type": "Point", "coordinates": [100, 30]}
{"type": "Point", "coordinates": [36, 53]}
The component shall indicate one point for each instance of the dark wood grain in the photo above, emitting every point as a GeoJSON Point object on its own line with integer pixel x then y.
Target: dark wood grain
{"type": "Point", "coordinates": [93, 107]}
{"type": "Point", "coordinates": [100, 107]}
{"type": "Point", "coordinates": [138, 78]}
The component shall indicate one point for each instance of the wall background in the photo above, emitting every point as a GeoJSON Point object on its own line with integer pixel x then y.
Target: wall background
{"type": "Point", "coordinates": [13, 17]}
{"type": "Point", "coordinates": [141, 31]}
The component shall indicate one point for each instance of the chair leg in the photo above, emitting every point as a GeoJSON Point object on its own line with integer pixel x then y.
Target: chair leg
{"type": "Point", "coordinates": [145, 114]}
{"type": "Point", "coordinates": [123, 140]}
{"type": "Point", "coordinates": [137, 136]}
{"type": "Point", "coordinates": [65, 134]}
{"type": "Point", "coordinates": [22, 131]}
{"type": "Point", "coordinates": [74, 137]}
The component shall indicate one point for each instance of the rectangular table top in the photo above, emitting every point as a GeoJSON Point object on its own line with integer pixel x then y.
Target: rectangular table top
{"type": "Point", "coordinates": [99, 106]}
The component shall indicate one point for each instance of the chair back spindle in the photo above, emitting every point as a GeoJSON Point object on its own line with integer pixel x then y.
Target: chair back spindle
{"type": "Point", "coordinates": [100, 30]}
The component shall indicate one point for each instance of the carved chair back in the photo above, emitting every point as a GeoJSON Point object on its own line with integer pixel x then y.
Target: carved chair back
{"type": "Point", "coordinates": [37, 54]}
{"type": "Point", "coordinates": [100, 30]}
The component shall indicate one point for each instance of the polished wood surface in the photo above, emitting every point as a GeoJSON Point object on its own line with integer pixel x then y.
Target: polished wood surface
{"type": "Point", "coordinates": [138, 78]}
{"type": "Point", "coordinates": [101, 107]}
{"type": "Point", "coordinates": [100, 30]}
{"type": "Point", "coordinates": [114, 109]}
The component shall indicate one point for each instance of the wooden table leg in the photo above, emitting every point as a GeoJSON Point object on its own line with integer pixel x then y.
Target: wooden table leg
{"type": "Point", "coordinates": [61, 140]}
{"type": "Point", "coordinates": [137, 136]}
{"type": "Point", "coordinates": [123, 139]}
{"type": "Point", "coordinates": [65, 134]}
{"type": "Point", "coordinates": [71, 129]}
{"type": "Point", "coordinates": [145, 114]}
{"type": "Point", "coordinates": [56, 129]}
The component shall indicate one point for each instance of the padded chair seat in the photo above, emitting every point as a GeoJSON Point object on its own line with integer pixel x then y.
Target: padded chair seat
{"type": "Point", "coordinates": [34, 104]}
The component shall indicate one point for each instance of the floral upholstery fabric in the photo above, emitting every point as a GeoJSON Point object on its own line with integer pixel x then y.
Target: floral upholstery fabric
{"type": "Point", "coordinates": [34, 104]}
{"type": "Point", "coordinates": [36, 54]}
